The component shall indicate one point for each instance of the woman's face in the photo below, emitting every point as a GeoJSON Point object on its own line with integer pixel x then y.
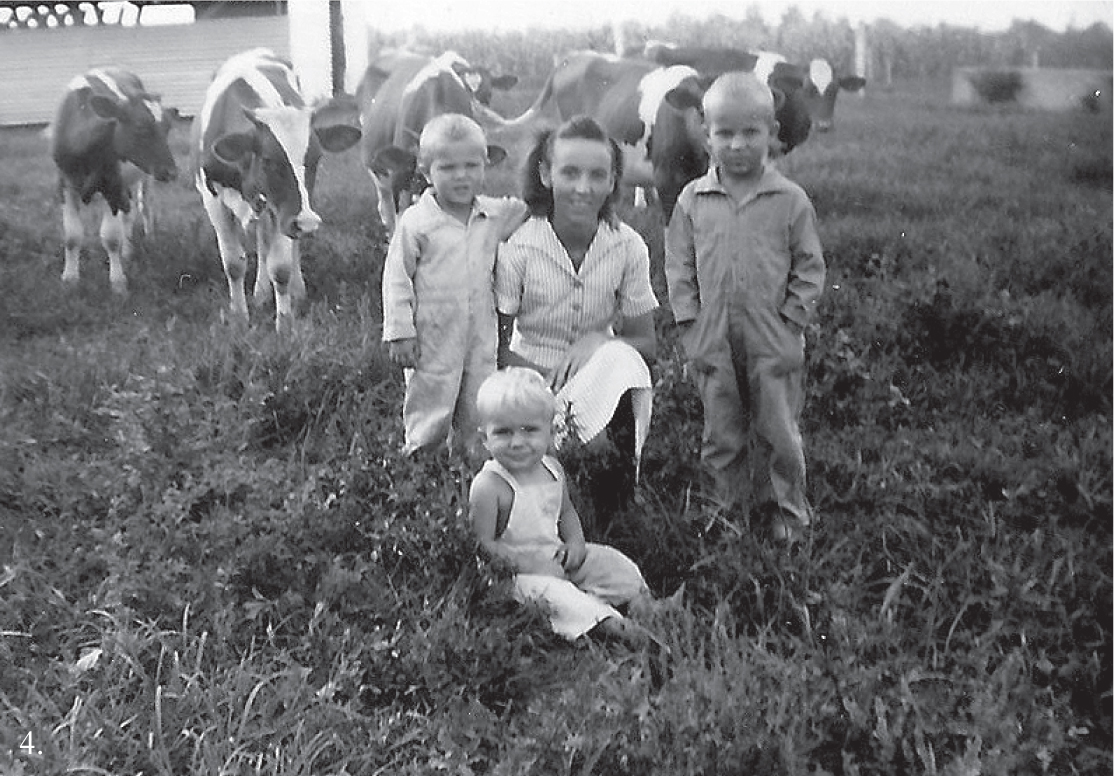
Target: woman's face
{"type": "Point", "coordinates": [580, 177]}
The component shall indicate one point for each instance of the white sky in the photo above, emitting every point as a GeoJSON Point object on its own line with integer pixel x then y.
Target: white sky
{"type": "Point", "coordinates": [987, 15]}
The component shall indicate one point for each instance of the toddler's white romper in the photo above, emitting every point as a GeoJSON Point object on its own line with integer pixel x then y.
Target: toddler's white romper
{"type": "Point", "coordinates": [576, 602]}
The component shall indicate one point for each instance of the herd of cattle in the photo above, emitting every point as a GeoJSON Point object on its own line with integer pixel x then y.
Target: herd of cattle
{"type": "Point", "coordinates": [255, 144]}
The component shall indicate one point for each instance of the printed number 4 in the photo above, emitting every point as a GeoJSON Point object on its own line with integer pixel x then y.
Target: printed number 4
{"type": "Point", "coordinates": [28, 744]}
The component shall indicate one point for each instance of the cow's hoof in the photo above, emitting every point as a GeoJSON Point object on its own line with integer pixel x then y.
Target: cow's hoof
{"type": "Point", "coordinates": [234, 317]}
{"type": "Point", "coordinates": [120, 289]}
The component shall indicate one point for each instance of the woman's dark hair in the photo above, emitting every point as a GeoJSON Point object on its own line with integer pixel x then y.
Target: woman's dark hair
{"type": "Point", "coordinates": [539, 199]}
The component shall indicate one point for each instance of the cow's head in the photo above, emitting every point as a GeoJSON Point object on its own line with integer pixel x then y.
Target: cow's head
{"type": "Point", "coordinates": [822, 90]}
{"type": "Point", "coordinates": [140, 131]}
{"type": "Point", "coordinates": [679, 147]}
{"type": "Point", "coordinates": [399, 167]}
{"type": "Point", "coordinates": [786, 81]}
{"type": "Point", "coordinates": [794, 121]}
{"type": "Point", "coordinates": [277, 160]}
{"type": "Point", "coordinates": [480, 82]}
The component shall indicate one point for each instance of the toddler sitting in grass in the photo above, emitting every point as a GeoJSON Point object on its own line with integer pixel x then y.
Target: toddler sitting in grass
{"type": "Point", "coordinates": [521, 513]}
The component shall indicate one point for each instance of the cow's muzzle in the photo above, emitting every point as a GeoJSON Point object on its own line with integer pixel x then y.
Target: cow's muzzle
{"type": "Point", "coordinates": [307, 221]}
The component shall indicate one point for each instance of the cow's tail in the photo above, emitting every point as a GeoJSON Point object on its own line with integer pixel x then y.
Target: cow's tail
{"type": "Point", "coordinates": [539, 103]}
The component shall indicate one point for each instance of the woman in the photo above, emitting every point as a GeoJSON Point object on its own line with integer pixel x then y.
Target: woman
{"type": "Point", "coordinates": [573, 288]}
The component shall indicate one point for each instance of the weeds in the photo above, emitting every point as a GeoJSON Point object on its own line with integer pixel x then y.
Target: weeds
{"type": "Point", "coordinates": [213, 558]}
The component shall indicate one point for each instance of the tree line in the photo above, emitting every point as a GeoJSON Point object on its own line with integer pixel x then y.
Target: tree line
{"type": "Point", "coordinates": [894, 52]}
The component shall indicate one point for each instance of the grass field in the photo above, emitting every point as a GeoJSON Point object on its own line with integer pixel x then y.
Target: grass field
{"type": "Point", "coordinates": [213, 560]}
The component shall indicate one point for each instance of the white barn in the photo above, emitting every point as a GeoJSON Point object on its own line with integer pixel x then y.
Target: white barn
{"type": "Point", "coordinates": [175, 61]}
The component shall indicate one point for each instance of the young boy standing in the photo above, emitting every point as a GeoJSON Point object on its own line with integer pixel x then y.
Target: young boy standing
{"type": "Point", "coordinates": [745, 269]}
{"type": "Point", "coordinates": [439, 319]}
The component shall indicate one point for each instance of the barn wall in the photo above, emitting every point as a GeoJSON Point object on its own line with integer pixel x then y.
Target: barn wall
{"type": "Point", "coordinates": [1049, 88]}
{"type": "Point", "coordinates": [174, 61]}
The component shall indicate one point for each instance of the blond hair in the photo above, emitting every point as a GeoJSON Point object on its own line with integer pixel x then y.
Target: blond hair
{"type": "Point", "coordinates": [448, 128]}
{"type": "Point", "coordinates": [514, 388]}
{"type": "Point", "coordinates": [740, 88]}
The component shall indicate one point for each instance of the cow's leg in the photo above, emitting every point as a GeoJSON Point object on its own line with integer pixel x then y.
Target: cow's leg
{"type": "Point", "coordinates": [281, 264]}
{"type": "Point", "coordinates": [144, 215]}
{"type": "Point", "coordinates": [386, 200]}
{"type": "Point", "coordinates": [297, 280]}
{"type": "Point", "coordinates": [231, 248]}
{"type": "Point", "coordinates": [116, 239]}
{"type": "Point", "coordinates": [73, 233]}
{"type": "Point", "coordinates": [262, 292]}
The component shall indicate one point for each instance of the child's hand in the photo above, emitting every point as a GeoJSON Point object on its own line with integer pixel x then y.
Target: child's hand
{"type": "Point", "coordinates": [572, 555]}
{"type": "Point", "coordinates": [404, 352]}
{"type": "Point", "coordinates": [514, 213]}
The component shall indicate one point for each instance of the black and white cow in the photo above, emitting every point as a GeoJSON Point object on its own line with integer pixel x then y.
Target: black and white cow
{"type": "Point", "coordinates": [399, 93]}
{"type": "Point", "coordinates": [652, 112]}
{"type": "Point", "coordinates": [108, 137]}
{"type": "Point", "coordinates": [822, 89]}
{"type": "Point", "coordinates": [810, 93]}
{"type": "Point", "coordinates": [257, 146]}
{"type": "Point", "coordinates": [789, 82]}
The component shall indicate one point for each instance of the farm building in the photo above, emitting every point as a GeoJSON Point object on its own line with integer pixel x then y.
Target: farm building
{"type": "Point", "coordinates": [1049, 88]}
{"type": "Point", "coordinates": [45, 45]}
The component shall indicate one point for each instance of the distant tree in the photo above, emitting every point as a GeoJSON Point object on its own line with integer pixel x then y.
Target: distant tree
{"type": "Point", "coordinates": [1091, 47]}
{"type": "Point", "coordinates": [755, 25]}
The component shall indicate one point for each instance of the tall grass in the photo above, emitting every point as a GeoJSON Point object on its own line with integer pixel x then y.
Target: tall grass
{"type": "Point", "coordinates": [214, 560]}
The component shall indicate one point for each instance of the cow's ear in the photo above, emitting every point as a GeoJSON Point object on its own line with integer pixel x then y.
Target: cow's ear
{"type": "Point", "coordinates": [392, 159]}
{"type": "Point", "coordinates": [172, 114]}
{"type": "Point", "coordinates": [234, 148]}
{"type": "Point", "coordinates": [105, 107]}
{"type": "Point", "coordinates": [682, 99]}
{"type": "Point", "coordinates": [504, 82]}
{"type": "Point", "coordinates": [339, 109]}
{"type": "Point", "coordinates": [496, 154]}
{"type": "Point", "coordinates": [787, 81]}
{"type": "Point", "coordinates": [338, 137]}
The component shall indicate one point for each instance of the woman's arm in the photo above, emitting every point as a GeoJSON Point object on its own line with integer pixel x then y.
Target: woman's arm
{"type": "Point", "coordinates": [504, 356]}
{"type": "Point", "coordinates": [638, 332]}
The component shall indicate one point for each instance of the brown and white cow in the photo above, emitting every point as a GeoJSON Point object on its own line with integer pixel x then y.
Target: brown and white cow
{"type": "Point", "coordinates": [257, 146]}
{"type": "Point", "coordinates": [399, 93]}
{"type": "Point", "coordinates": [108, 136]}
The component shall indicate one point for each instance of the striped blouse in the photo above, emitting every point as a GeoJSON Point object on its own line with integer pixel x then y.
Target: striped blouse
{"type": "Point", "coordinates": [553, 304]}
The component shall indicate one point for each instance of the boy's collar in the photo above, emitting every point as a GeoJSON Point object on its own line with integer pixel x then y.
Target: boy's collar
{"type": "Point", "coordinates": [771, 180]}
{"type": "Point", "coordinates": [479, 207]}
